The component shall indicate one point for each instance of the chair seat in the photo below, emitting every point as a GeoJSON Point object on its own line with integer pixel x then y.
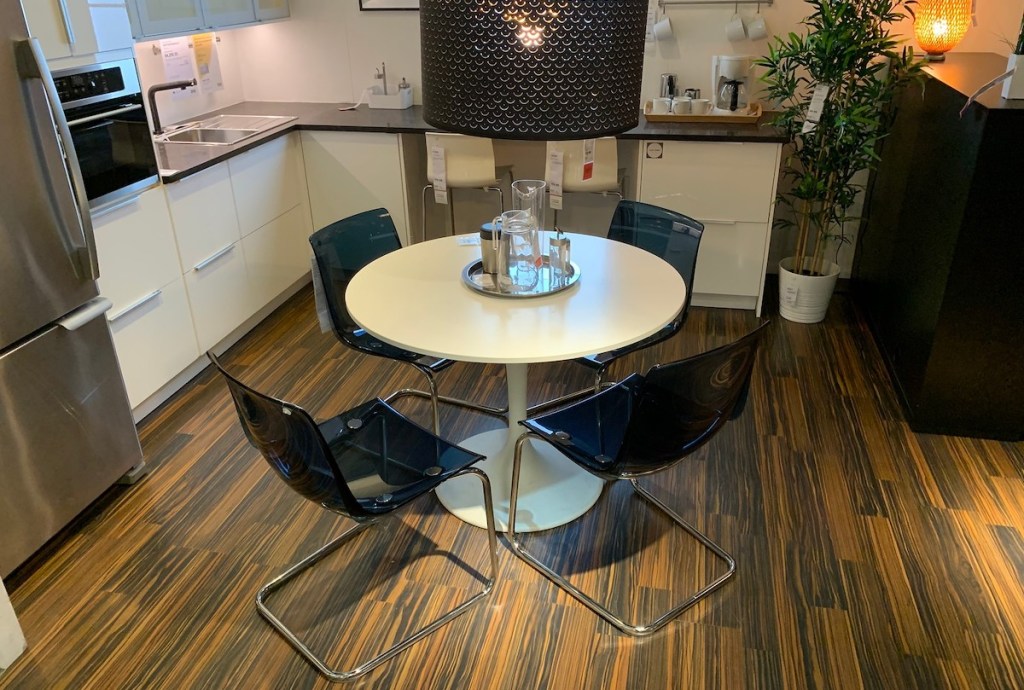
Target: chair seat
{"type": "Point", "coordinates": [386, 459]}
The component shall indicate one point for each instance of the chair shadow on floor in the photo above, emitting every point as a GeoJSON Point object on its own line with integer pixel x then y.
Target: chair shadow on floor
{"type": "Point", "coordinates": [389, 579]}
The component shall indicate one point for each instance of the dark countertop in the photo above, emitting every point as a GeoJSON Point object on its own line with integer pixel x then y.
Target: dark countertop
{"type": "Point", "coordinates": [177, 161]}
{"type": "Point", "coordinates": [968, 72]}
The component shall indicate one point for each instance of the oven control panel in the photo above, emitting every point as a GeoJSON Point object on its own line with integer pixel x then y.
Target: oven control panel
{"type": "Point", "coordinates": [76, 87]}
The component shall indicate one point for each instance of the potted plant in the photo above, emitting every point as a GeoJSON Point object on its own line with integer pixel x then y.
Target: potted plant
{"type": "Point", "coordinates": [831, 86]}
{"type": "Point", "coordinates": [1014, 86]}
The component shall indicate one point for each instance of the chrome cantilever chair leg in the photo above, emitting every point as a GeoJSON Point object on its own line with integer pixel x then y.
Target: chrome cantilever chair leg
{"type": "Point", "coordinates": [589, 602]}
{"type": "Point", "coordinates": [319, 554]}
{"type": "Point", "coordinates": [434, 398]}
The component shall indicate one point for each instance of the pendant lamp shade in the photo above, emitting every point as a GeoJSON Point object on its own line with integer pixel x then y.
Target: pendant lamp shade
{"type": "Point", "coordinates": [939, 25]}
{"type": "Point", "coordinates": [532, 69]}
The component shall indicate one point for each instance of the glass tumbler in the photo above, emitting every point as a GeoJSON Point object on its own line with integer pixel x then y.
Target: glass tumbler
{"type": "Point", "coordinates": [518, 271]}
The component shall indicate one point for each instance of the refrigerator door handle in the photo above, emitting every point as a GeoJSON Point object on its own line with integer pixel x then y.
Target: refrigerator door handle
{"type": "Point", "coordinates": [32, 65]}
{"type": "Point", "coordinates": [92, 309]}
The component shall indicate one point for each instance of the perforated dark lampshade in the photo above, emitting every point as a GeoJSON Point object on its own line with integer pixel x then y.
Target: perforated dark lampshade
{"type": "Point", "coordinates": [532, 69]}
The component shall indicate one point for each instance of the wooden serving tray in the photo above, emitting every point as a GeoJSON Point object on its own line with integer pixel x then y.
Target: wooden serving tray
{"type": "Point", "coordinates": [750, 118]}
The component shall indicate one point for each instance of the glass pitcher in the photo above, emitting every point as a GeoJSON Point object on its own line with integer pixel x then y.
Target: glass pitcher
{"type": "Point", "coordinates": [530, 196]}
{"type": "Point", "coordinates": [519, 259]}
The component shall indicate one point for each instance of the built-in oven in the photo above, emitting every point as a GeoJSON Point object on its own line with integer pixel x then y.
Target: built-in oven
{"type": "Point", "coordinates": [103, 106]}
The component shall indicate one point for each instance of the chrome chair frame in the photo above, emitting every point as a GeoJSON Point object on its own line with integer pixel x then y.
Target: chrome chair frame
{"type": "Point", "coordinates": [451, 206]}
{"type": "Point", "coordinates": [434, 398]}
{"type": "Point", "coordinates": [318, 555]}
{"type": "Point", "coordinates": [635, 630]}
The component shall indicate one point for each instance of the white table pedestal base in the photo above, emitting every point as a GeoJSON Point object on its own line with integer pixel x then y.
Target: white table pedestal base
{"type": "Point", "coordinates": [552, 489]}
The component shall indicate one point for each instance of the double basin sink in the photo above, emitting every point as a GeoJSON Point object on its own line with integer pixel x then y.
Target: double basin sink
{"type": "Point", "coordinates": [222, 130]}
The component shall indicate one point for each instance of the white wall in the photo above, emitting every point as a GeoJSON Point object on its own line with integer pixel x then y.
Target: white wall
{"type": "Point", "coordinates": [151, 71]}
{"type": "Point", "coordinates": [328, 50]}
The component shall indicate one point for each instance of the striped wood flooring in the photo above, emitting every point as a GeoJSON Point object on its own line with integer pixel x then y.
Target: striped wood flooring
{"type": "Point", "coordinates": [868, 556]}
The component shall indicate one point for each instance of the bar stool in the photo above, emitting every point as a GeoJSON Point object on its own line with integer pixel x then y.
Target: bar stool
{"type": "Point", "coordinates": [469, 164]}
{"type": "Point", "coordinates": [604, 181]}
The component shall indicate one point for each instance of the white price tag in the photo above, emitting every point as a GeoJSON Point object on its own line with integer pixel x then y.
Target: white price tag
{"type": "Point", "coordinates": [440, 178]}
{"type": "Point", "coordinates": [556, 172]}
{"type": "Point", "coordinates": [816, 108]}
{"type": "Point", "coordinates": [555, 201]}
{"type": "Point", "coordinates": [588, 158]}
{"type": "Point", "coordinates": [789, 296]}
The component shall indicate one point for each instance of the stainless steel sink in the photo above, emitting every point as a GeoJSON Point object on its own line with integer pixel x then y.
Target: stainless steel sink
{"type": "Point", "coordinates": [222, 130]}
{"type": "Point", "coordinates": [201, 135]}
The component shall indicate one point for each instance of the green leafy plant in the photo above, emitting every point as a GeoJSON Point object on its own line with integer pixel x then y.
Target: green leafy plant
{"type": "Point", "coordinates": [848, 48]}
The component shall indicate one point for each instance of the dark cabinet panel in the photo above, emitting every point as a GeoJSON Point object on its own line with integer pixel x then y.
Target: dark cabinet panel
{"type": "Point", "coordinates": [940, 261]}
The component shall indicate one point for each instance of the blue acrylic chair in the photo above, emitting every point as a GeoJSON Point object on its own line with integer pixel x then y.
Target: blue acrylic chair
{"type": "Point", "coordinates": [664, 233]}
{"type": "Point", "coordinates": [364, 464]}
{"type": "Point", "coordinates": [641, 425]}
{"type": "Point", "coordinates": [341, 250]}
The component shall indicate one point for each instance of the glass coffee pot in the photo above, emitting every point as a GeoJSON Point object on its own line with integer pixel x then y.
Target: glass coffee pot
{"type": "Point", "coordinates": [518, 259]}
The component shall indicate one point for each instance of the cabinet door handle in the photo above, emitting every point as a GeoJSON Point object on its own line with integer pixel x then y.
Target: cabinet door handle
{"type": "Point", "coordinates": [134, 305]}
{"type": "Point", "coordinates": [110, 208]}
{"type": "Point", "coordinates": [68, 28]}
{"type": "Point", "coordinates": [213, 257]}
{"type": "Point", "coordinates": [719, 221]}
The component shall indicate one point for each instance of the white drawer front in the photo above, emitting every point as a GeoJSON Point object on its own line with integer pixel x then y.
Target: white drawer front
{"type": "Point", "coordinates": [731, 259]}
{"type": "Point", "coordinates": [203, 211]}
{"type": "Point", "coordinates": [267, 181]}
{"type": "Point", "coordinates": [277, 255]}
{"type": "Point", "coordinates": [218, 290]}
{"type": "Point", "coordinates": [713, 180]}
{"type": "Point", "coordinates": [155, 341]}
{"type": "Point", "coordinates": [135, 244]}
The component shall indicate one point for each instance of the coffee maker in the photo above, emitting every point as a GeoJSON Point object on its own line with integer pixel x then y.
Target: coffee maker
{"type": "Point", "coordinates": [730, 84]}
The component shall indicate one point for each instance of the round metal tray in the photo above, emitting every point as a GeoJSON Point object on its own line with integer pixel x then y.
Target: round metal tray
{"type": "Point", "coordinates": [473, 275]}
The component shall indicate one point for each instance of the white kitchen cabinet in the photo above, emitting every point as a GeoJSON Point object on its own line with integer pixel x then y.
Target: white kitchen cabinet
{"type": "Point", "coordinates": [136, 249]}
{"type": "Point", "coordinates": [154, 18]}
{"type": "Point", "coordinates": [730, 188]}
{"type": "Point", "coordinates": [352, 172]}
{"type": "Point", "coordinates": [79, 27]}
{"type": "Point", "coordinates": [220, 13]}
{"type": "Point", "coordinates": [162, 17]}
{"type": "Point", "coordinates": [203, 211]}
{"type": "Point", "coordinates": [277, 254]}
{"type": "Point", "coordinates": [271, 9]}
{"type": "Point", "coordinates": [139, 272]}
{"type": "Point", "coordinates": [154, 340]}
{"type": "Point", "coordinates": [267, 181]}
{"type": "Point", "coordinates": [218, 292]}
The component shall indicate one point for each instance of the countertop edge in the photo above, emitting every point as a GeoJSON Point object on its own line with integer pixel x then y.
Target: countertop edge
{"type": "Point", "coordinates": [312, 116]}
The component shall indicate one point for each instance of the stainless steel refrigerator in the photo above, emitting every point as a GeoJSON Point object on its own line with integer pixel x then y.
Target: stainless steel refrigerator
{"type": "Point", "coordinates": [66, 429]}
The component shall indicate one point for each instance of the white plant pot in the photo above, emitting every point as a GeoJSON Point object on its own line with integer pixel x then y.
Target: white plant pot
{"type": "Point", "coordinates": [804, 298]}
{"type": "Point", "coordinates": [1013, 87]}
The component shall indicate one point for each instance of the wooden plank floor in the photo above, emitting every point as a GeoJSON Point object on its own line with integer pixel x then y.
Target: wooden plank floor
{"type": "Point", "coordinates": [868, 556]}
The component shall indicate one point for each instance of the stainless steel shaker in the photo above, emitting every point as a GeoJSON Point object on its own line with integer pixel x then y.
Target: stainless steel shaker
{"type": "Point", "coordinates": [490, 246]}
{"type": "Point", "coordinates": [668, 85]}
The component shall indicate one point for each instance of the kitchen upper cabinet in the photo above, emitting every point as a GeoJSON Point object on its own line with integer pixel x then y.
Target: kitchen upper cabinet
{"type": "Point", "coordinates": [79, 27]}
{"type": "Point", "coordinates": [271, 9]}
{"type": "Point", "coordinates": [218, 13]}
{"type": "Point", "coordinates": [162, 17]}
{"type": "Point", "coordinates": [151, 18]}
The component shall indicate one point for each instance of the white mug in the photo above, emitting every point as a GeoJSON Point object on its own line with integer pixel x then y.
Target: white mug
{"type": "Point", "coordinates": [681, 106]}
{"type": "Point", "coordinates": [699, 106]}
{"type": "Point", "coordinates": [736, 30]}
{"type": "Point", "coordinates": [661, 106]}
{"type": "Point", "coordinates": [663, 29]}
{"type": "Point", "coordinates": [757, 28]}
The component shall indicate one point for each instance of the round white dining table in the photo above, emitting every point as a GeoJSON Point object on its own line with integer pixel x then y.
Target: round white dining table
{"type": "Point", "coordinates": [415, 298]}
